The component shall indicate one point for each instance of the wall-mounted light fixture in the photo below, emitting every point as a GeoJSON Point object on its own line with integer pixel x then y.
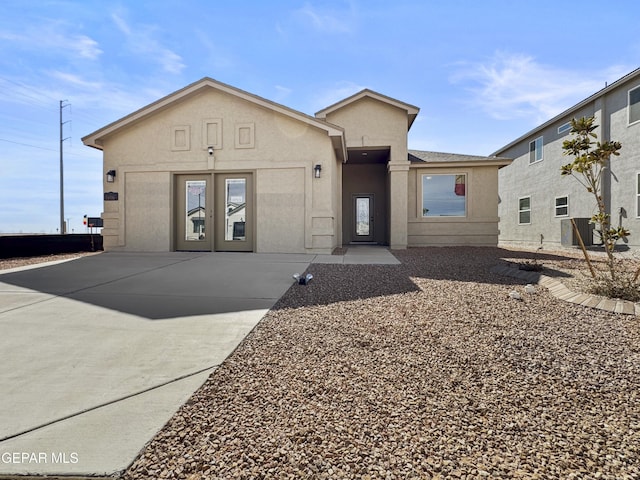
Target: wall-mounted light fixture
{"type": "Point", "coordinates": [316, 170]}
{"type": "Point", "coordinates": [210, 150]}
{"type": "Point", "coordinates": [111, 176]}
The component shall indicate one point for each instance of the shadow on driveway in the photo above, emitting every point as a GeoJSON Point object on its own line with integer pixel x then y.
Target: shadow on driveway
{"type": "Point", "coordinates": [181, 284]}
{"type": "Point", "coordinates": [166, 285]}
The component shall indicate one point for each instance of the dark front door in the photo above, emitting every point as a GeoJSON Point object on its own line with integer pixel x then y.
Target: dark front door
{"type": "Point", "coordinates": [363, 217]}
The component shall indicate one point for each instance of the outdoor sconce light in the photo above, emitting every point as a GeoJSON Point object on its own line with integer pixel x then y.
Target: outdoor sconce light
{"type": "Point", "coordinates": [111, 176]}
{"type": "Point", "coordinates": [316, 171]}
{"type": "Point", "coordinates": [210, 150]}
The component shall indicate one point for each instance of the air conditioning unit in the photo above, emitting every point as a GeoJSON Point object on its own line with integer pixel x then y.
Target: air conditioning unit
{"type": "Point", "coordinates": [568, 235]}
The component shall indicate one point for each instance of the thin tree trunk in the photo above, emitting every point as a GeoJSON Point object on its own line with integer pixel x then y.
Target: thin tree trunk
{"type": "Point", "coordinates": [584, 250]}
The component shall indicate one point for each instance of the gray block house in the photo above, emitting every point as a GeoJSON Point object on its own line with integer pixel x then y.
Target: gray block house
{"type": "Point", "coordinates": [536, 203]}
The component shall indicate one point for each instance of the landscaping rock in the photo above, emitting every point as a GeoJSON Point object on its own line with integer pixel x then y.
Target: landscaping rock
{"type": "Point", "coordinates": [422, 370]}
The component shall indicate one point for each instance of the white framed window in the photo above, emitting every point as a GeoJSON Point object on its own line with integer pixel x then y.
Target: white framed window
{"type": "Point", "coordinates": [637, 194]}
{"type": "Point", "coordinates": [524, 211]}
{"type": "Point", "coordinates": [634, 105]}
{"type": "Point", "coordinates": [564, 128]}
{"type": "Point", "coordinates": [535, 150]}
{"type": "Point", "coordinates": [444, 195]}
{"type": "Point", "coordinates": [562, 206]}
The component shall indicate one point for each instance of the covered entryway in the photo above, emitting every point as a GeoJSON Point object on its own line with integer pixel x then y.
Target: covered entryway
{"type": "Point", "coordinates": [365, 198]}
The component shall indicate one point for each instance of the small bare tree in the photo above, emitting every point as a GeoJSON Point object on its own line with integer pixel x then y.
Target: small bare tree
{"type": "Point", "coordinates": [590, 160]}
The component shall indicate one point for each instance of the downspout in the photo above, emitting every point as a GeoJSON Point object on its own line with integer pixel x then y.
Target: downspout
{"type": "Point", "coordinates": [604, 135]}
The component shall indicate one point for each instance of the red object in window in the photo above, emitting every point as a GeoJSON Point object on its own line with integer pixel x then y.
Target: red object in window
{"type": "Point", "coordinates": [459, 188]}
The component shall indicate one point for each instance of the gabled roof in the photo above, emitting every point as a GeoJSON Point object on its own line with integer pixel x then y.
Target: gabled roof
{"type": "Point", "coordinates": [569, 111]}
{"type": "Point", "coordinates": [412, 111]}
{"type": "Point", "coordinates": [336, 132]}
{"type": "Point", "coordinates": [443, 159]}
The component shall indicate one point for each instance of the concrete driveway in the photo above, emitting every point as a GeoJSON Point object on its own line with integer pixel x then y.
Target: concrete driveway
{"type": "Point", "coordinates": [99, 352]}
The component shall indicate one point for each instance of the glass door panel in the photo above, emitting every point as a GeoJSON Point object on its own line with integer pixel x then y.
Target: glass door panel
{"type": "Point", "coordinates": [362, 216]}
{"type": "Point", "coordinates": [195, 210]}
{"type": "Point", "coordinates": [192, 213]}
{"type": "Point", "coordinates": [235, 209]}
{"type": "Point", "coordinates": [234, 212]}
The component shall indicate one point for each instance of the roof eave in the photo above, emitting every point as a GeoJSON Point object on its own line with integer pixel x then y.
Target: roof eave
{"type": "Point", "coordinates": [95, 139]}
{"type": "Point", "coordinates": [412, 110]}
{"type": "Point", "coordinates": [473, 163]}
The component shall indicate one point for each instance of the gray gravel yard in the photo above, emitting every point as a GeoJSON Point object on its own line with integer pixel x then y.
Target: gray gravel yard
{"type": "Point", "coordinates": [423, 370]}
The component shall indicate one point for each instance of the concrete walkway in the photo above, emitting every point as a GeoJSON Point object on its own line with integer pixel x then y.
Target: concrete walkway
{"type": "Point", "coordinates": [361, 255]}
{"type": "Point", "coordinates": [100, 352]}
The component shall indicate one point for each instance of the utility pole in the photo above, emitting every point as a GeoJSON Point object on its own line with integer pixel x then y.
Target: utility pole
{"type": "Point", "coordinates": [62, 139]}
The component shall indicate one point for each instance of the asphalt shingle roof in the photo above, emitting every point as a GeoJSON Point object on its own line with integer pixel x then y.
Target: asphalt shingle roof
{"type": "Point", "coordinates": [420, 156]}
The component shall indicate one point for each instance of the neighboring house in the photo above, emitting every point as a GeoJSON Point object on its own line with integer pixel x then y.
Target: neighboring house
{"type": "Point", "coordinates": [535, 198]}
{"type": "Point", "coordinates": [211, 167]}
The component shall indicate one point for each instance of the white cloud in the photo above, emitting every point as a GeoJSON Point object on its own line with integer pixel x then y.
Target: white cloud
{"type": "Point", "coordinates": [325, 21]}
{"type": "Point", "coordinates": [282, 93]}
{"type": "Point", "coordinates": [141, 41]}
{"type": "Point", "coordinates": [76, 81]}
{"type": "Point", "coordinates": [218, 56]}
{"type": "Point", "coordinates": [121, 24]}
{"type": "Point", "coordinates": [87, 47]}
{"type": "Point", "coordinates": [55, 39]}
{"type": "Point", "coordinates": [510, 86]}
{"type": "Point", "coordinates": [333, 95]}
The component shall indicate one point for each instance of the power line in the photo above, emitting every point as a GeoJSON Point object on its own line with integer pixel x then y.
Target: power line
{"type": "Point", "coordinates": [39, 99]}
{"type": "Point", "coordinates": [40, 148]}
{"type": "Point", "coordinates": [27, 145]}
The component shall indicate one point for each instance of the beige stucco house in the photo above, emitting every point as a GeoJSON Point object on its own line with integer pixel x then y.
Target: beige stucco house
{"type": "Point", "coordinates": [212, 167]}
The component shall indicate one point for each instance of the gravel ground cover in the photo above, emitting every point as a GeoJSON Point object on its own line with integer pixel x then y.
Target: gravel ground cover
{"type": "Point", "coordinates": [6, 263]}
{"type": "Point", "coordinates": [423, 370]}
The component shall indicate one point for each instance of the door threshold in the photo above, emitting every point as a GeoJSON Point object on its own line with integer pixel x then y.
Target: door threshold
{"type": "Point", "coordinates": [364, 243]}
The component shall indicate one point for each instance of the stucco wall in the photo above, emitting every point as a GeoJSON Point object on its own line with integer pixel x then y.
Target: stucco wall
{"type": "Point", "coordinates": [480, 225]}
{"type": "Point", "coordinates": [280, 212]}
{"type": "Point", "coordinates": [281, 152]}
{"type": "Point", "coordinates": [369, 123]}
{"type": "Point", "coordinates": [148, 211]}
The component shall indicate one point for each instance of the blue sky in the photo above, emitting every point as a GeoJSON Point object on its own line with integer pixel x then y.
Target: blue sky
{"type": "Point", "coordinates": [482, 72]}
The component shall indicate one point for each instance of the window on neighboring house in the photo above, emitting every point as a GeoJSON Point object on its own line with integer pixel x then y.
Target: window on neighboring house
{"type": "Point", "coordinates": [535, 150]}
{"type": "Point", "coordinates": [198, 225]}
{"type": "Point", "coordinates": [564, 128]}
{"type": "Point", "coordinates": [562, 206]}
{"type": "Point", "coordinates": [634, 105]}
{"type": "Point", "coordinates": [524, 211]}
{"type": "Point", "coordinates": [444, 195]}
